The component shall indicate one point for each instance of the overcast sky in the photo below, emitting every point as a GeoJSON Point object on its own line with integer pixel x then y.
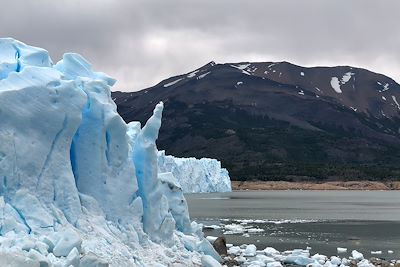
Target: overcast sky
{"type": "Point", "coordinates": [142, 42]}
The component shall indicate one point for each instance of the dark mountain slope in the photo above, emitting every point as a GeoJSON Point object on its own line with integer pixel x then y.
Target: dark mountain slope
{"type": "Point", "coordinates": [273, 121]}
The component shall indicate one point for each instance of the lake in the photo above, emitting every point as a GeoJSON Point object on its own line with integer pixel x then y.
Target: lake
{"type": "Point", "coordinates": [323, 220]}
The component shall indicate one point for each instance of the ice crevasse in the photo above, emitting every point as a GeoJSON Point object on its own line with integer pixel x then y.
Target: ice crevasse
{"type": "Point", "coordinates": [78, 186]}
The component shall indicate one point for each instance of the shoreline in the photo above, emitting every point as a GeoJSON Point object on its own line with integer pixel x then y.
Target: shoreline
{"type": "Point", "coordinates": [332, 185]}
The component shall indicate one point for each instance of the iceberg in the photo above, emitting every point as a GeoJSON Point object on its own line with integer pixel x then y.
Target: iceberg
{"type": "Point", "coordinates": [196, 175]}
{"type": "Point", "coordinates": [79, 187]}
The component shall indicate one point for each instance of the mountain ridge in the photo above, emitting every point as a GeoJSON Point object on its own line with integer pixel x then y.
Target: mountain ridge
{"type": "Point", "coordinates": [255, 117]}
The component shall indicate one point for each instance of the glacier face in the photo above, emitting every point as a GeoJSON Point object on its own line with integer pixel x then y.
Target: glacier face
{"type": "Point", "coordinates": [196, 175]}
{"type": "Point", "coordinates": [77, 185]}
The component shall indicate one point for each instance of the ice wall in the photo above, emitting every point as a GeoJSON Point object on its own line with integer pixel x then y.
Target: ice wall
{"type": "Point", "coordinates": [77, 185]}
{"type": "Point", "coordinates": [196, 175]}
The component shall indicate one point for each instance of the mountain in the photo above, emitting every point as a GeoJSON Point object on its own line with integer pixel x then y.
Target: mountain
{"type": "Point", "coordinates": [278, 121]}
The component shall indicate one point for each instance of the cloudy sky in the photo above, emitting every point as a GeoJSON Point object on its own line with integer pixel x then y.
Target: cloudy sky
{"type": "Point", "coordinates": [142, 42]}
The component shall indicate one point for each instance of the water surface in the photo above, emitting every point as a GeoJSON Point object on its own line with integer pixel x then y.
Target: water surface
{"type": "Point", "coordinates": [323, 220]}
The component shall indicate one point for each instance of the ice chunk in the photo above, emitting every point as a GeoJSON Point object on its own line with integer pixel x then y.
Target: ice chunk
{"type": "Point", "coordinates": [250, 251]}
{"type": "Point", "coordinates": [274, 264]}
{"type": "Point", "coordinates": [92, 260]}
{"type": "Point", "coordinates": [234, 229]}
{"type": "Point", "coordinates": [357, 255]}
{"type": "Point", "coordinates": [341, 250]}
{"type": "Point", "coordinates": [36, 256]}
{"type": "Point", "coordinates": [365, 263]}
{"type": "Point", "coordinates": [270, 251]}
{"type": "Point", "coordinates": [17, 259]}
{"type": "Point", "coordinates": [336, 260]}
{"type": "Point", "coordinates": [264, 259]}
{"type": "Point", "coordinates": [298, 260]}
{"type": "Point", "coordinates": [208, 261]}
{"type": "Point", "coordinates": [73, 258]}
{"type": "Point", "coordinates": [235, 250]}
{"type": "Point", "coordinates": [68, 241]}
{"type": "Point", "coordinates": [321, 259]}
{"type": "Point", "coordinates": [256, 263]}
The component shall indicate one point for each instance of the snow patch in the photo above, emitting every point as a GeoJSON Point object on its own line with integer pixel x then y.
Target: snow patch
{"type": "Point", "coordinates": [241, 66]}
{"type": "Point", "coordinates": [203, 75]}
{"type": "Point", "coordinates": [192, 74]}
{"type": "Point", "coordinates": [336, 83]}
{"type": "Point", "coordinates": [385, 86]}
{"type": "Point", "coordinates": [173, 82]}
{"type": "Point", "coordinates": [395, 101]}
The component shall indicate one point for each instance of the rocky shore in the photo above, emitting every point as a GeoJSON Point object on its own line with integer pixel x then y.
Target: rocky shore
{"type": "Point", "coordinates": [333, 185]}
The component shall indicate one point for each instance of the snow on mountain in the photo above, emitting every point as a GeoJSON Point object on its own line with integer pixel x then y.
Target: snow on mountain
{"type": "Point", "coordinates": [78, 186]}
{"type": "Point", "coordinates": [196, 175]}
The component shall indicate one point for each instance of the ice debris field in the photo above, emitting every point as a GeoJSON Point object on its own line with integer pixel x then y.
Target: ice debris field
{"type": "Point", "coordinates": [250, 256]}
{"type": "Point", "coordinates": [78, 186]}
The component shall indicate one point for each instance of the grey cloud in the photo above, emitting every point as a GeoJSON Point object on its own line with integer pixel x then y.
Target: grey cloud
{"type": "Point", "coordinates": [142, 42]}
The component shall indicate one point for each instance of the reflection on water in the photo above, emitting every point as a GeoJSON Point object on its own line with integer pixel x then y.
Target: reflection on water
{"type": "Point", "coordinates": [323, 220]}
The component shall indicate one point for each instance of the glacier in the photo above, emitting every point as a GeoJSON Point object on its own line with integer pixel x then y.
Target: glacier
{"type": "Point", "coordinates": [196, 175]}
{"type": "Point", "coordinates": [78, 186]}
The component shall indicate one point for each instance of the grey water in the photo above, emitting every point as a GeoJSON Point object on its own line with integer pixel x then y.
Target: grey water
{"type": "Point", "coordinates": [323, 220]}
